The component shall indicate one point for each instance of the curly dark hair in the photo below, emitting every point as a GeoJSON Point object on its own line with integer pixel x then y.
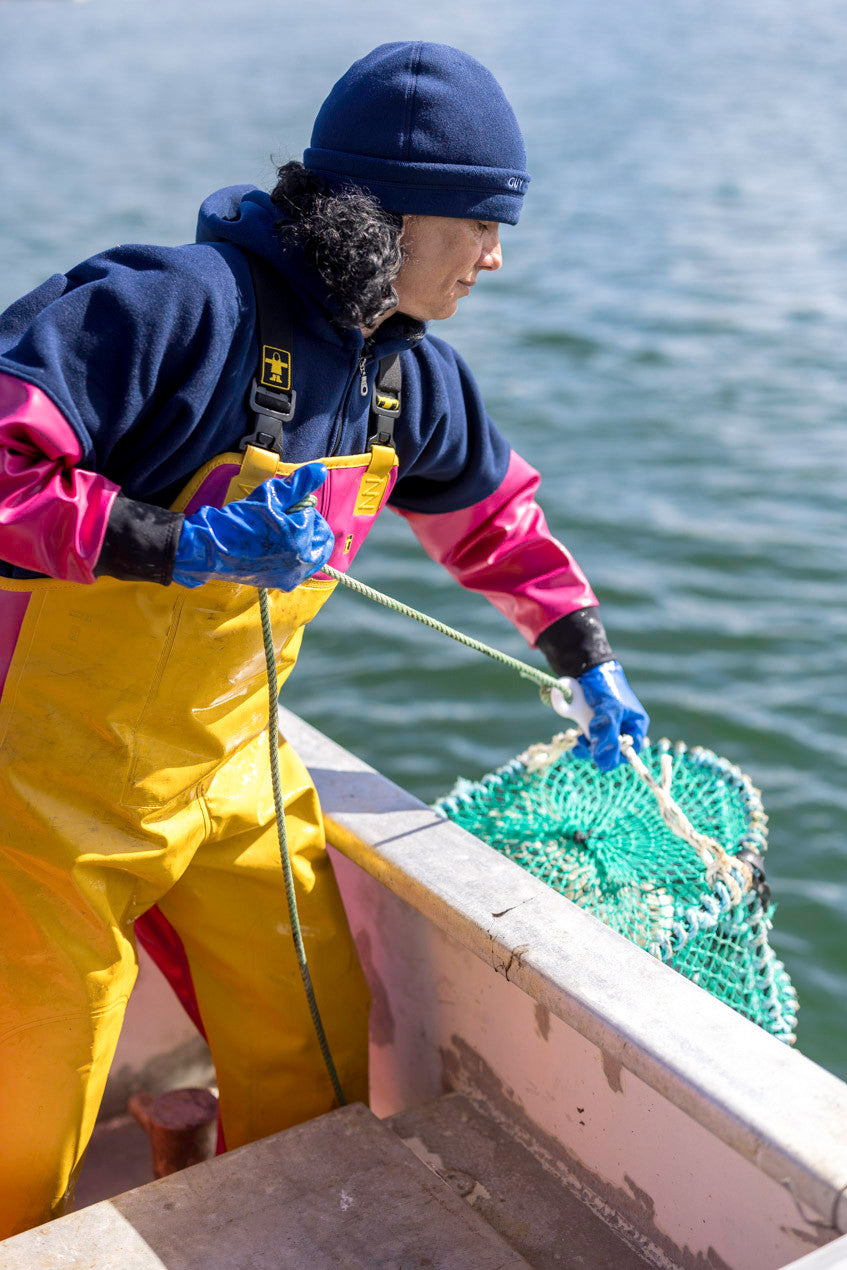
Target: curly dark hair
{"type": "Point", "coordinates": [352, 242]}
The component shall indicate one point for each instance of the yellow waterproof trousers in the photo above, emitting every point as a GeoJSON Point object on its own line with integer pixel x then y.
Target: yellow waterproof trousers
{"type": "Point", "coordinates": [134, 771]}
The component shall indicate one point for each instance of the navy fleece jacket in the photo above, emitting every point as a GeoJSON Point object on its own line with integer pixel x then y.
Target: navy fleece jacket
{"type": "Point", "coordinates": [149, 353]}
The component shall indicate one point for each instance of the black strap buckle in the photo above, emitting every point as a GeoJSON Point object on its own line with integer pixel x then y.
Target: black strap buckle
{"type": "Point", "coordinates": [384, 434]}
{"type": "Point", "coordinates": [273, 409]}
{"type": "Point", "coordinates": [386, 401]}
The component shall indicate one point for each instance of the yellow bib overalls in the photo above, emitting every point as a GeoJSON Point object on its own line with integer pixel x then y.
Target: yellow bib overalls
{"type": "Point", "coordinates": [134, 772]}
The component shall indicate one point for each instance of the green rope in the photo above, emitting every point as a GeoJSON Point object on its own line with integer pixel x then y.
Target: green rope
{"type": "Point", "coordinates": [273, 743]}
{"type": "Point", "coordinates": [544, 681]}
{"type": "Point", "coordinates": [540, 677]}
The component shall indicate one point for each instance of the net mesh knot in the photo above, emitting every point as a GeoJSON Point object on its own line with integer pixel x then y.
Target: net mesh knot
{"type": "Point", "coordinates": [653, 853]}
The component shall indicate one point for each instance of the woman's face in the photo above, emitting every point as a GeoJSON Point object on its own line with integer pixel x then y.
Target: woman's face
{"type": "Point", "coordinates": [442, 256]}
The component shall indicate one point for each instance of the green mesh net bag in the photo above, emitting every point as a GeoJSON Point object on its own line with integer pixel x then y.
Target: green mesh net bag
{"type": "Point", "coordinates": [667, 850]}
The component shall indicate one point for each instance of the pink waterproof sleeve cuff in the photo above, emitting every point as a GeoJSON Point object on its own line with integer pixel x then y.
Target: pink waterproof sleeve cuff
{"type": "Point", "coordinates": [503, 548]}
{"type": "Point", "coordinates": [52, 515]}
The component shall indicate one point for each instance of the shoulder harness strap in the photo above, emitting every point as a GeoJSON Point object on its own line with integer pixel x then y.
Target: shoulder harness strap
{"type": "Point", "coordinates": [272, 398]}
{"type": "Point", "coordinates": [386, 401]}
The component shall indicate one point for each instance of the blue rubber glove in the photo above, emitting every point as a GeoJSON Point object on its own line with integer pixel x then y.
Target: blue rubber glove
{"type": "Point", "coordinates": [616, 710]}
{"type": "Point", "coordinates": [257, 540]}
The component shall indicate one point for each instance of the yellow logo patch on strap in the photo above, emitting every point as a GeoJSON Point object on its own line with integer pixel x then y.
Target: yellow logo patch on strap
{"type": "Point", "coordinates": [276, 368]}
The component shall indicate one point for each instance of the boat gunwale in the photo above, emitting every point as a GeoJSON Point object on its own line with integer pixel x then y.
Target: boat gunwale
{"type": "Point", "coordinates": [766, 1101]}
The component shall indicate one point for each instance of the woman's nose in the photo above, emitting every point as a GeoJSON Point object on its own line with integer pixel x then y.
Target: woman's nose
{"type": "Point", "coordinates": [492, 255]}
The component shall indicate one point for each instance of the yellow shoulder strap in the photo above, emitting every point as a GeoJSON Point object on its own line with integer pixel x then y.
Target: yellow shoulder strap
{"type": "Point", "coordinates": [374, 480]}
{"type": "Point", "coordinates": [256, 466]}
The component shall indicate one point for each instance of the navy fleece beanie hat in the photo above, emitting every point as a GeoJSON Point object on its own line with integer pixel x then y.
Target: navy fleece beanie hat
{"type": "Point", "coordinates": [427, 130]}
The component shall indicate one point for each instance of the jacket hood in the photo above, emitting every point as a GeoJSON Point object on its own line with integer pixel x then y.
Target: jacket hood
{"type": "Point", "coordinates": [245, 216]}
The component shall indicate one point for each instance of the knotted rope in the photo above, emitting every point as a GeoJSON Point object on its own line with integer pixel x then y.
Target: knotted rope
{"type": "Point", "coordinates": [720, 866]}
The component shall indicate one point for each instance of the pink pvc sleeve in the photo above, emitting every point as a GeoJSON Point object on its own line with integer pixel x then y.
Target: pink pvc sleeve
{"type": "Point", "coordinates": [503, 548]}
{"type": "Point", "coordinates": [53, 515]}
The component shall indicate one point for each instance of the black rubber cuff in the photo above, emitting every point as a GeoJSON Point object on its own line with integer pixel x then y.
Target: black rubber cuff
{"type": "Point", "coordinates": [140, 542]}
{"type": "Point", "coordinates": [575, 643]}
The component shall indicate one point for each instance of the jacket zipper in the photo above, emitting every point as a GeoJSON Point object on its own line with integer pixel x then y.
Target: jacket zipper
{"type": "Point", "coordinates": [361, 372]}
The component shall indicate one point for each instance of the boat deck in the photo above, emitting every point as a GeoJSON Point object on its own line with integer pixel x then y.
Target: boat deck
{"type": "Point", "coordinates": [440, 1185]}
